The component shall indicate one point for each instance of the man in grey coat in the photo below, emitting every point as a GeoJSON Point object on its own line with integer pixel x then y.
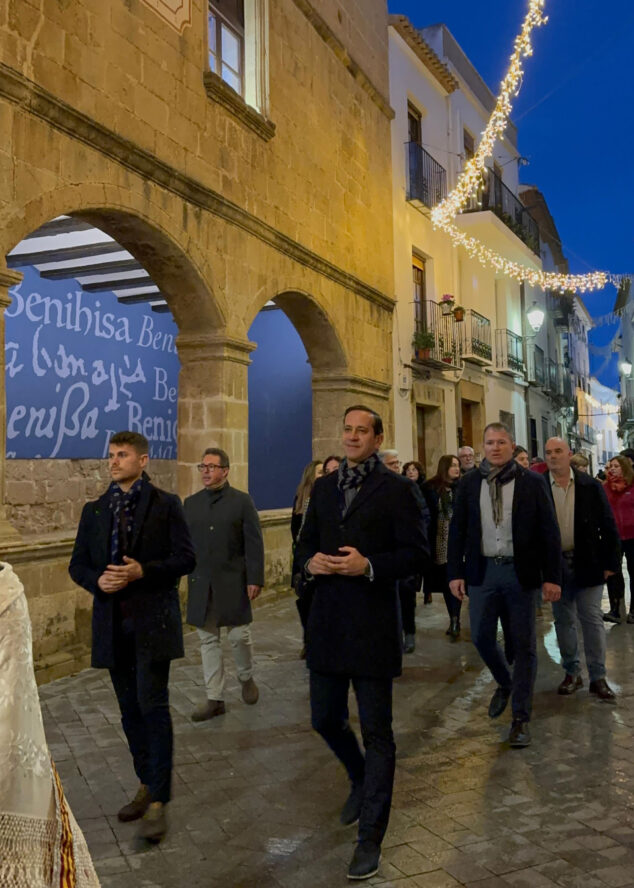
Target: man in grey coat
{"type": "Point", "coordinates": [229, 575]}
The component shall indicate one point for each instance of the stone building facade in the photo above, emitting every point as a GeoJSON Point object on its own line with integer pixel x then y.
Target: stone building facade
{"type": "Point", "coordinates": [111, 113]}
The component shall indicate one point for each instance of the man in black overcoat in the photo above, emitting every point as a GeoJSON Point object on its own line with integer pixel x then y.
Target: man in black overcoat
{"type": "Point", "coordinates": [229, 575]}
{"type": "Point", "coordinates": [363, 532]}
{"type": "Point", "coordinates": [132, 548]}
{"type": "Point", "coordinates": [504, 545]}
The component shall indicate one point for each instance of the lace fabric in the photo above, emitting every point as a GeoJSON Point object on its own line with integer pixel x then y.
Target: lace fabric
{"type": "Point", "coordinates": [30, 807]}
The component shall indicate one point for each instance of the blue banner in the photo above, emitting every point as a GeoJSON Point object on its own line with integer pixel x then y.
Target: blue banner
{"type": "Point", "coordinates": [80, 366]}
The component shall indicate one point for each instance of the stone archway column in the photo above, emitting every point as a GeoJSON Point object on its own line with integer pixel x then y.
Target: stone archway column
{"type": "Point", "coordinates": [333, 392]}
{"type": "Point", "coordinates": [213, 405]}
{"type": "Point", "coordinates": [8, 533]}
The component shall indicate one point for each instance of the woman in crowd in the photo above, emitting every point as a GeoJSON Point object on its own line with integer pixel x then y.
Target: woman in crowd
{"type": "Point", "coordinates": [314, 470]}
{"type": "Point", "coordinates": [580, 462]}
{"type": "Point", "coordinates": [415, 472]}
{"type": "Point", "coordinates": [440, 493]}
{"type": "Point", "coordinates": [41, 845]}
{"type": "Point", "coordinates": [619, 488]}
{"type": "Point", "coordinates": [520, 455]}
{"type": "Point", "coordinates": [331, 464]}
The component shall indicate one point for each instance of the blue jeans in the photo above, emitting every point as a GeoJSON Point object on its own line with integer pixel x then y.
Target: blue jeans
{"type": "Point", "coordinates": [502, 597]}
{"type": "Point", "coordinates": [582, 603]}
{"type": "Point", "coordinates": [329, 712]}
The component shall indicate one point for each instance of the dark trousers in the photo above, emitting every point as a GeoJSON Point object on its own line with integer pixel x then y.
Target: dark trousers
{"type": "Point", "coordinates": [329, 711]}
{"type": "Point", "coordinates": [407, 591]}
{"type": "Point", "coordinates": [437, 582]}
{"type": "Point", "coordinates": [141, 689]}
{"type": "Point", "coordinates": [502, 596]}
{"type": "Point", "coordinates": [616, 583]}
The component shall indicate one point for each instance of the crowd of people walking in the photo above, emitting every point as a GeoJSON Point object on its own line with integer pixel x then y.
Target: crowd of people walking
{"type": "Point", "coordinates": [368, 536]}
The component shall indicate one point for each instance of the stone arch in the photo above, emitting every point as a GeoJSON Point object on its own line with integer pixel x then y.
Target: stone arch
{"type": "Point", "coordinates": [316, 329]}
{"type": "Point", "coordinates": [168, 251]}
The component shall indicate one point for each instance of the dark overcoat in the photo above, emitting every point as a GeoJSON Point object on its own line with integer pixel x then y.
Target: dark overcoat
{"type": "Point", "coordinates": [162, 545]}
{"type": "Point", "coordinates": [354, 626]}
{"type": "Point", "coordinates": [536, 539]}
{"type": "Point", "coordinates": [227, 537]}
{"type": "Point", "coordinates": [597, 546]}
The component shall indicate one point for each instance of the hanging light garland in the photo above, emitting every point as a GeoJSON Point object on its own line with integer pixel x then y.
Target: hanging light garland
{"type": "Point", "coordinates": [471, 180]}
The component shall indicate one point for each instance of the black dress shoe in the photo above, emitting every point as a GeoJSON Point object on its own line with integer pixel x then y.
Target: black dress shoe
{"type": "Point", "coordinates": [601, 689]}
{"type": "Point", "coordinates": [365, 861]}
{"type": "Point", "coordinates": [612, 617]}
{"type": "Point", "coordinates": [570, 684]}
{"type": "Point", "coordinates": [499, 701]}
{"type": "Point", "coordinates": [630, 617]}
{"type": "Point", "coordinates": [352, 806]}
{"type": "Point", "coordinates": [519, 735]}
{"type": "Point", "coordinates": [454, 627]}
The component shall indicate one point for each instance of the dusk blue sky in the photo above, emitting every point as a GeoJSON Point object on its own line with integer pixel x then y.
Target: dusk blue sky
{"type": "Point", "coordinates": [574, 118]}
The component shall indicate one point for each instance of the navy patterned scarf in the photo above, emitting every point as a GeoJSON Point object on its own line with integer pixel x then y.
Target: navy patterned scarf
{"type": "Point", "coordinates": [123, 506]}
{"type": "Point", "coordinates": [352, 477]}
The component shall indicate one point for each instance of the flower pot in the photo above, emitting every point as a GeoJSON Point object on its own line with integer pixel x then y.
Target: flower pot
{"type": "Point", "coordinates": [446, 307]}
{"type": "Point", "coordinates": [447, 359]}
{"type": "Point", "coordinates": [458, 314]}
{"type": "Point", "coordinates": [423, 354]}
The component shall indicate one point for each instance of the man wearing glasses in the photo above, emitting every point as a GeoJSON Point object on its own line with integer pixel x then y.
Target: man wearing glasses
{"type": "Point", "coordinates": [229, 575]}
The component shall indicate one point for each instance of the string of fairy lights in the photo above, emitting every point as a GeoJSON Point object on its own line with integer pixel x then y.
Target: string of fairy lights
{"type": "Point", "coordinates": [472, 180]}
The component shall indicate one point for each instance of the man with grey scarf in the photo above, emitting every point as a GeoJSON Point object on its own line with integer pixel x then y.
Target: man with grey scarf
{"type": "Point", "coordinates": [504, 543]}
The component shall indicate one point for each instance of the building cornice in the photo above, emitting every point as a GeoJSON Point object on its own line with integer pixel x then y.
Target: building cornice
{"type": "Point", "coordinates": [423, 50]}
{"type": "Point", "coordinates": [36, 100]}
{"type": "Point", "coordinates": [354, 68]}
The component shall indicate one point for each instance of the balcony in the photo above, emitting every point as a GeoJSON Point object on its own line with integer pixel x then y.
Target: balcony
{"type": "Point", "coordinates": [559, 306]}
{"type": "Point", "coordinates": [495, 196]}
{"type": "Point", "coordinates": [508, 353]}
{"type": "Point", "coordinates": [443, 348]}
{"type": "Point", "coordinates": [426, 179]}
{"type": "Point", "coordinates": [567, 388]}
{"type": "Point", "coordinates": [626, 413]}
{"type": "Point", "coordinates": [552, 380]}
{"type": "Point", "coordinates": [475, 338]}
{"type": "Point", "coordinates": [587, 433]}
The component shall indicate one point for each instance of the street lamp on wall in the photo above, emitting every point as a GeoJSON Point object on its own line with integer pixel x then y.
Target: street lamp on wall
{"type": "Point", "coordinates": [535, 317]}
{"type": "Point", "coordinates": [626, 368]}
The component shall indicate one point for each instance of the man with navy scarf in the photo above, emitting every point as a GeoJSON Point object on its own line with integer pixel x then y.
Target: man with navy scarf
{"type": "Point", "coordinates": [363, 532]}
{"type": "Point", "coordinates": [131, 549]}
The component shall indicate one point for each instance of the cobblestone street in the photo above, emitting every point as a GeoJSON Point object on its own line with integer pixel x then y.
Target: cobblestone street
{"type": "Point", "coordinates": [257, 794]}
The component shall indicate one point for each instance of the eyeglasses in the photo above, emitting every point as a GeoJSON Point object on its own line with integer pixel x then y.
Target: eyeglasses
{"type": "Point", "coordinates": [209, 467]}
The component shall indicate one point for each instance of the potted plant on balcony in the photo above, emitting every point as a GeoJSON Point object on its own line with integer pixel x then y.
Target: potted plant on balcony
{"type": "Point", "coordinates": [458, 313]}
{"type": "Point", "coordinates": [447, 303]}
{"type": "Point", "coordinates": [423, 342]}
{"type": "Point", "coordinates": [447, 357]}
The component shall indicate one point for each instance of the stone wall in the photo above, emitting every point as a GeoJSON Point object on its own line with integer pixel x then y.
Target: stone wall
{"type": "Point", "coordinates": [46, 496]}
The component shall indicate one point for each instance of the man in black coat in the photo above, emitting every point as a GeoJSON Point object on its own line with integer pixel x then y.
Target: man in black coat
{"type": "Point", "coordinates": [229, 575]}
{"type": "Point", "coordinates": [504, 544]}
{"type": "Point", "coordinates": [132, 548]}
{"type": "Point", "coordinates": [591, 553]}
{"type": "Point", "coordinates": [363, 532]}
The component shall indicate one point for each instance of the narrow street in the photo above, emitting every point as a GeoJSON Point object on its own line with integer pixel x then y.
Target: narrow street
{"type": "Point", "coordinates": [257, 794]}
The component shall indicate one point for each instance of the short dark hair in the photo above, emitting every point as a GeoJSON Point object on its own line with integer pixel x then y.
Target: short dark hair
{"type": "Point", "coordinates": [519, 449]}
{"type": "Point", "coordinates": [217, 451]}
{"type": "Point", "coordinates": [377, 422]}
{"type": "Point", "coordinates": [133, 439]}
{"type": "Point", "coordinates": [499, 427]}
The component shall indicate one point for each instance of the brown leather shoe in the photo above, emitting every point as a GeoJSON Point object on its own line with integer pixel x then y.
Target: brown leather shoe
{"type": "Point", "coordinates": [570, 684]}
{"type": "Point", "coordinates": [250, 693]}
{"type": "Point", "coordinates": [208, 709]}
{"type": "Point", "coordinates": [601, 689]}
{"type": "Point", "coordinates": [137, 807]}
{"type": "Point", "coordinates": [154, 824]}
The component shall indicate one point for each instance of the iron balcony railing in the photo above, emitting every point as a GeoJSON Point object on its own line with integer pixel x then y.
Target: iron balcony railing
{"type": "Point", "coordinates": [475, 332]}
{"type": "Point", "coordinates": [553, 377]}
{"type": "Point", "coordinates": [426, 179]}
{"type": "Point", "coordinates": [443, 350]}
{"type": "Point", "coordinates": [567, 388]}
{"type": "Point", "coordinates": [626, 413]}
{"type": "Point", "coordinates": [587, 433]}
{"type": "Point", "coordinates": [508, 352]}
{"type": "Point", "coordinates": [496, 196]}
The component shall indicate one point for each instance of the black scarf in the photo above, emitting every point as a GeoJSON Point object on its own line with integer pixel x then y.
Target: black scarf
{"type": "Point", "coordinates": [352, 477]}
{"type": "Point", "coordinates": [496, 477]}
{"type": "Point", "coordinates": [123, 506]}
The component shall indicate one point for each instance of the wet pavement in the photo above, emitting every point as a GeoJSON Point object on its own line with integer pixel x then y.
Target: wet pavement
{"type": "Point", "coordinates": [257, 795]}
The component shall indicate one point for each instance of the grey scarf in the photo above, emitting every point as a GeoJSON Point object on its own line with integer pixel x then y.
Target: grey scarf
{"type": "Point", "coordinates": [496, 477]}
